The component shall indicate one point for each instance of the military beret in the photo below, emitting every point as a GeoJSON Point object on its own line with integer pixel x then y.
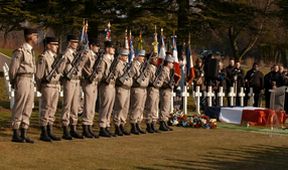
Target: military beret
{"type": "Point", "coordinates": [142, 53]}
{"type": "Point", "coordinates": [72, 38]}
{"type": "Point", "coordinates": [51, 40]}
{"type": "Point", "coordinates": [94, 42]}
{"type": "Point", "coordinates": [108, 44]}
{"type": "Point", "coordinates": [29, 31]}
{"type": "Point", "coordinates": [169, 58]}
{"type": "Point", "coordinates": [124, 52]}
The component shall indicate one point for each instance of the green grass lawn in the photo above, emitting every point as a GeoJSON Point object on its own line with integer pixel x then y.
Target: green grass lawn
{"type": "Point", "coordinates": [7, 51]}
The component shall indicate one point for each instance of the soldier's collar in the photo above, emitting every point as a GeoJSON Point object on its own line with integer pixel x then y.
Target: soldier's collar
{"type": "Point", "coordinates": [51, 53]}
{"type": "Point", "coordinates": [92, 52]}
{"type": "Point", "coordinates": [27, 47]}
{"type": "Point", "coordinates": [71, 50]}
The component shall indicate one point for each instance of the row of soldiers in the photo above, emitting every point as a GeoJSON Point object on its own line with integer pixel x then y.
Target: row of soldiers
{"type": "Point", "coordinates": [233, 76]}
{"type": "Point", "coordinates": [123, 89]}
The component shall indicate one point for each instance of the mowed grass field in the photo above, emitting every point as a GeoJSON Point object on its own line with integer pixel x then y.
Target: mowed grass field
{"type": "Point", "coordinates": [183, 148]}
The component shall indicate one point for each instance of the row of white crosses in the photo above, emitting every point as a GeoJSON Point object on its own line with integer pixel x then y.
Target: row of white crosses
{"type": "Point", "coordinates": [10, 90]}
{"type": "Point", "coordinates": [197, 95]}
{"type": "Point", "coordinates": [210, 95]}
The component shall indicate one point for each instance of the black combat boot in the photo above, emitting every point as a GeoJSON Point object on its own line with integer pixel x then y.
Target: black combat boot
{"type": "Point", "coordinates": [118, 131]}
{"type": "Point", "coordinates": [111, 134]}
{"type": "Point", "coordinates": [66, 134]}
{"type": "Point", "coordinates": [134, 130]}
{"type": "Point", "coordinates": [44, 135]}
{"type": "Point", "coordinates": [104, 133]}
{"type": "Point", "coordinates": [25, 137]}
{"type": "Point", "coordinates": [50, 133]}
{"type": "Point", "coordinates": [123, 130]}
{"type": "Point", "coordinates": [139, 129]}
{"type": "Point", "coordinates": [162, 126]}
{"type": "Point", "coordinates": [74, 133]}
{"type": "Point", "coordinates": [167, 126]}
{"type": "Point", "coordinates": [149, 128]}
{"type": "Point", "coordinates": [16, 136]}
{"type": "Point", "coordinates": [153, 127]}
{"type": "Point", "coordinates": [86, 132]}
{"type": "Point", "coordinates": [91, 132]}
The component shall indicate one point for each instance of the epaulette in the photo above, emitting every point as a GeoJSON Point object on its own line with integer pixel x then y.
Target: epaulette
{"type": "Point", "coordinates": [20, 49]}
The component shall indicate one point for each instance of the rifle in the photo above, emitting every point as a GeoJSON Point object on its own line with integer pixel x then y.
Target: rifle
{"type": "Point", "coordinates": [74, 64]}
{"type": "Point", "coordinates": [126, 74]}
{"type": "Point", "coordinates": [96, 64]}
{"type": "Point", "coordinates": [144, 70]}
{"type": "Point", "coordinates": [157, 75]}
{"type": "Point", "coordinates": [171, 83]}
{"type": "Point", "coordinates": [55, 65]}
{"type": "Point", "coordinates": [111, 74]}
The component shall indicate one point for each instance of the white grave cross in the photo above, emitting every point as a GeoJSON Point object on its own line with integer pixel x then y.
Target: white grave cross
{"type": "Point", "coordinates": [172, 102]}
{"type": "Point", "coordinates": [232, 95]}
{"type": "Point", "coordinates": [251, 97]}
{"type": "Point", "coordinates": [198, 95]}
{"type": "Point", "coordinates": [221, 95]}
{"type": "Point", "coordinates": [241, 95]}
{"type": "Point", "coordinates": [210, 95]}
{"type": "Point", "coordinates": [185, 94]}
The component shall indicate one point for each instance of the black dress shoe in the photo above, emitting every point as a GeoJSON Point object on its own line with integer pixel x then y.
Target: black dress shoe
{"type": "Point", "coordinates": [91, 132]}
{"type": "Point", "coordinates": [66, 134]}
{"type": "Point", "coordinates": [104, 133]}
{"type": "Point", "coordinates": [16, 136]}
{"type": "Point", "coordinates": [25, 137]}
{"type": "Point", "coordinates": [74, 133]}
{"type": "Point", "coordinates": [163, 127]}
{"type": "Point", "coordinates": [86, 132]}
{"type": "Point", "coordinates": [44, 134]}
{"type": "Point", "coordinates": [111, 134]}
{"type": "Point", "coordinates": [168, 127]}
{"type": "Point", "coordinates": [118, 131]}
{"type": "Point", "coordinates": [139, 129]}
{"type": "Point", "coordinates": [153, 127]}
{"type": "Point", "coordinates": [123, 130]}
{"type": "Point", "coordinates": [50, 133]}
{"type": "Point", "coordinates": [149, 128]}
{"type": "Point", "coordinates": [134, 130]}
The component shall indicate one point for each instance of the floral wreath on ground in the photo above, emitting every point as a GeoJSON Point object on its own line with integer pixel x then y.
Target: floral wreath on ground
{"type": "Point", "coordinates": [196, 121]}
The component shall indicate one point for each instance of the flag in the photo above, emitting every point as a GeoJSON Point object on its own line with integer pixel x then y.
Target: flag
{"type": "Point", "coordinates": [189, 65]}
{"type": "Point", "coordinates": [108, 32]}
{"type": "Point", "coordinates": [126, 42]}
{"type": "Point", "coordinates": [162, 49]}
{"type": "Point", "coordinates": [177, 70]}
{"type": "Point", "coordinates": [140, 42]}
{"type": "Point", "coordinates": [131, 48]}
{"type": "Point", "coordinates": [155, 42]}
{"type": "Point", "coordinates": [84, 35]}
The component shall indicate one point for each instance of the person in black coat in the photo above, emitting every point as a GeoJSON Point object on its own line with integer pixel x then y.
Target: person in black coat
{"type": "Point", "coordinates": [271, 81]}
{"type": "Point", "coordinates": [238, 79]}
{"type": "Point", "coordinates": [255, 79]}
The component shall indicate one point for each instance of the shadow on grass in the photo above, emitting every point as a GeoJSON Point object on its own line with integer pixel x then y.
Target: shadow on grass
{"type": "Point", "coordinates": [247, 157]}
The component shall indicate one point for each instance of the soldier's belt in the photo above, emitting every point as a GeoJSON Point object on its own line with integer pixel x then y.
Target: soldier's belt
{"type": "Point", "coordinates": [105, 82]}
{"type": "Point", "coordinates": [52, 82]}
{"type": "Point", "coordinates": [123, 86]}
{"type": "Point", "coordinates": [151, 85]}
{"type": "Point", "coordinates": [75, 78]}
{"type": "Point", "coordinates": [29, 75]}
{"type": "Point", "coordinates": [139, 87]}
